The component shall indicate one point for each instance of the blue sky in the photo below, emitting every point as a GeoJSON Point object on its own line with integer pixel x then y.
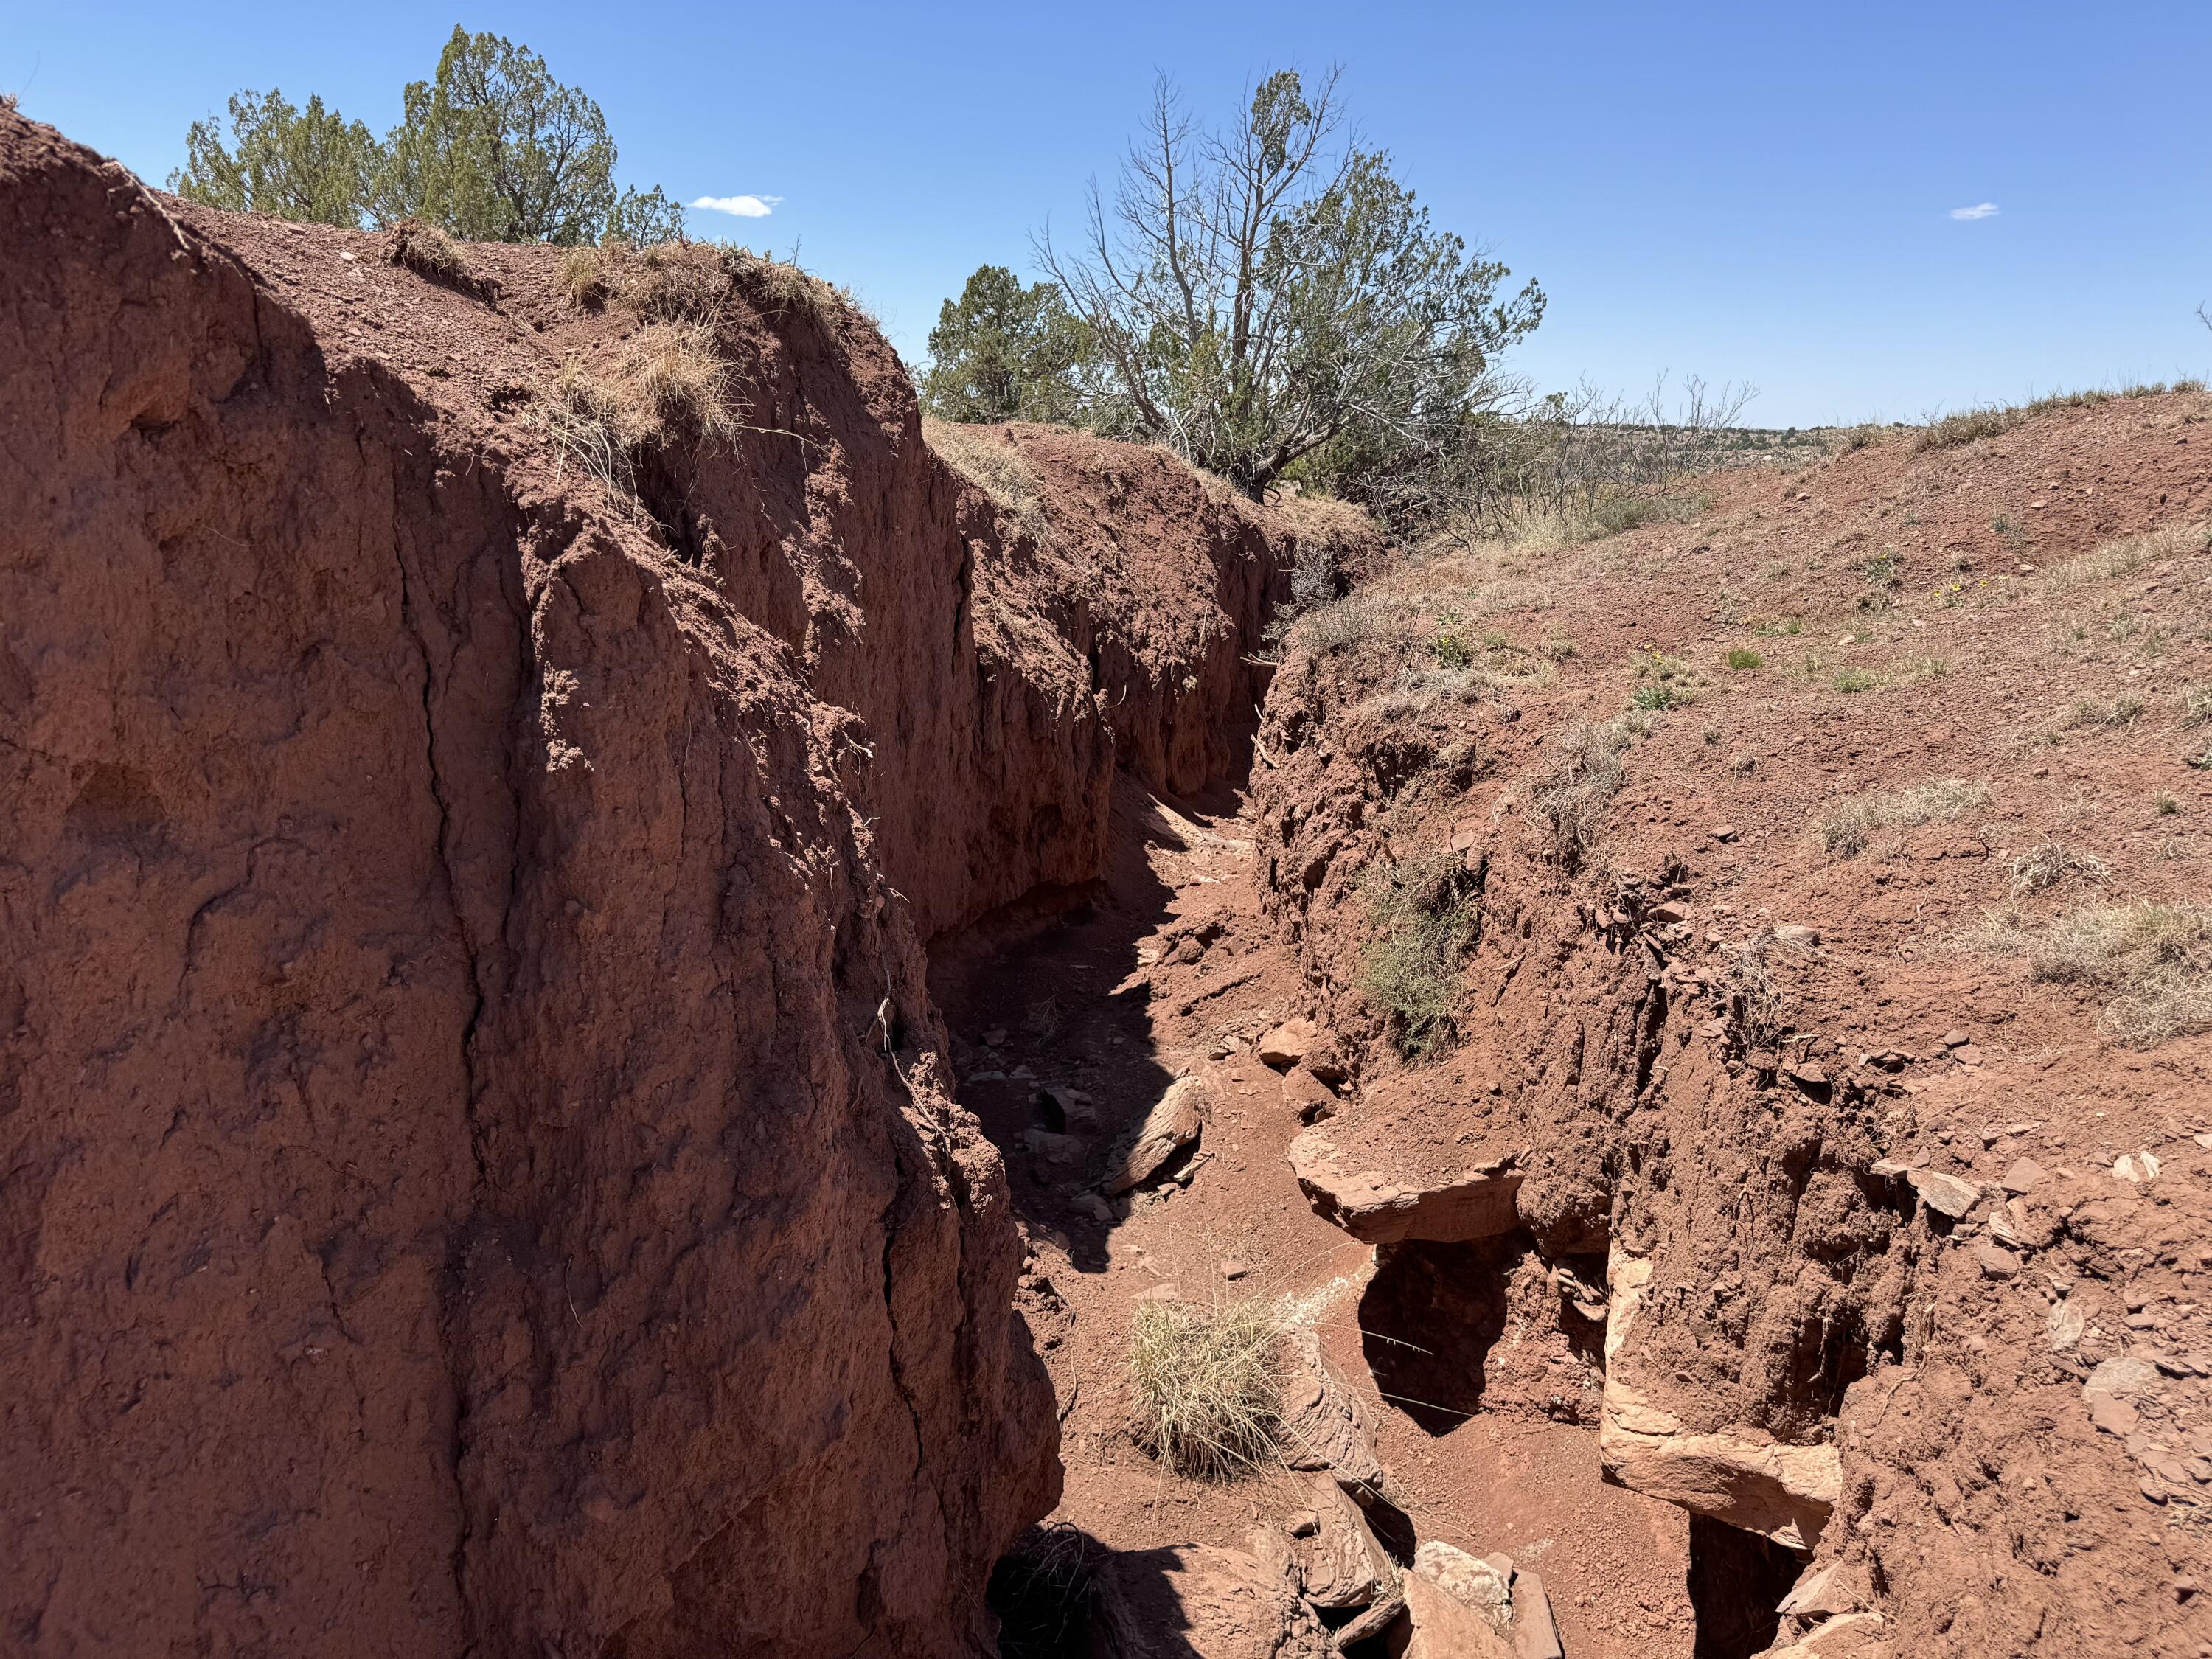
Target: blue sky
{"type": "Point", "coordinates": [1759, 192]}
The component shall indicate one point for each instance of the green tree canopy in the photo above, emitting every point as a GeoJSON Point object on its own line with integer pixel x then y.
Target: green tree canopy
{"type": "Point", "coordinates": [310, 164]}
{"type": "Point", "coordinates": [1260, 294]}
{"type": "Point", "coordinates": [492, 149]}
{"type": "Point", "coordinates": [1003, 351]}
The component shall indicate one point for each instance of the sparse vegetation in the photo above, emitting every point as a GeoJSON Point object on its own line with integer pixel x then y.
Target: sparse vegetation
{"type": "Point", "coordinates": [1585, 774]}
{"type": "Point", "coordinates": [1845, 830]}
{"type": "Point", "coordinates": [1754, 996]}
{"type": "Point", "coordinates": [667, 284]}
{"type": "Point", "coordinates": [669, 386]}
{"type": "Point", "coordinates": [1993, 420]}
{"type": "Point", "coordinates": [2124, 555]}
{"type": "Point", "coordinates": [1205, 1380]}
{"type": "Point", "coordinates": [2053, 861]}
{"type": "Point", "coordinates": [580, 279]}
{"type": "Point", "coordinates": [1853, 680]}
{"type": "Point", "coordinates": [2092, 713]}
{"type": "Point", "coordinates": [430, 253]}
{"type": "Point", "coordinates": [989, 459]}
{"type": "Point", "coordinates": [1744, 660]}
{"type": "Point", "coordinates": [2151, 961]}
{"type": "Point", "coordinates": [1423, 917]}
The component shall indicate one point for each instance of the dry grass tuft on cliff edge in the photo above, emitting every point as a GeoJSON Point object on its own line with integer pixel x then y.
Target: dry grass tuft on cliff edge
{"type": "Point", "coordinates": [669, 385]}
{"type": "Point", "coordinates": [988, 458]}
{"type": "Point", "coordinates": [431, 254]}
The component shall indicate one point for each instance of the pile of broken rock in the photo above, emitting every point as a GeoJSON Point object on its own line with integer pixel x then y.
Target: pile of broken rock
{"type": "Point", "coordinates": [1327, 1586]}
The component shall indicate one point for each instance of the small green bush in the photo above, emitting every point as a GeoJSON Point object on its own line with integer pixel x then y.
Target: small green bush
{"type": "Point", "coordinates": [1744, 660]}
{"type": "Point", "coordinates": [1423, 917]}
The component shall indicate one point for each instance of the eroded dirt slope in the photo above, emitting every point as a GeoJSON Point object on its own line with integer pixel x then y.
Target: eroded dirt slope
{"type": "Point", "coordinates": [483, 1172]}
{"type": "Point", "coordinates": [1891, 1280]}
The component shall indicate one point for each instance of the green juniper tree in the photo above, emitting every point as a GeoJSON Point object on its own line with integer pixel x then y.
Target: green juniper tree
{"type": "Point", "coordinates": [1004, 351]}
{"type": "Point", "coordinates": [310, 164]}
{"type": "Point", "coordinates": [1263, 295]}
{"type": "Point", "coordinates": [492, 149]}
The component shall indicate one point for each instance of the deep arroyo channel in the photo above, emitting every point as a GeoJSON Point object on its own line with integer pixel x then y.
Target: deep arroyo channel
{"type": "Point", "coordinates": [1478, 1367]}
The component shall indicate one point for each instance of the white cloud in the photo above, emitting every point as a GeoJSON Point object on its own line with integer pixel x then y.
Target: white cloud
{"type": "Point", "coordinates": [759, 207]}
{"type": "Point", "coordinates": [1979, 210]}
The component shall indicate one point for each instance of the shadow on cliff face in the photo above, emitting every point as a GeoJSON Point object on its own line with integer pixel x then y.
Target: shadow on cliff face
{"type": "Point", "coordinates": [1053, 1033]}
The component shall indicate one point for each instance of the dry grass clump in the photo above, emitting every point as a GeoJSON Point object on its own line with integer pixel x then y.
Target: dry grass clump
{"type": "Point", "coordinates": [988, 458]}
{"type": "Point", "coordinates": [680, 381]}
{"type": "Point", "coordinates": [1385, 624]}
{"type": "Point", "coordinates": [1422, 916]}
{"type": "Point", "coordinates": [1324, 518]}
{"type": "Point", "coordinates": [2089, 713]}
{"type": "Point", "coordinates": [2124, 555]}
{"type": "Point", "coordinates": [776, 287]}
{"type": "Point", "coordinates": [1967, 425]}
{"type": "Point", "coordinates": [431, 254]}
{"type": "Point", "coordinates": [1207, 1386]}
{"type": "Point", "coordinates": [1844, 829]}
{"type": "Point", "coordinates": [2151, 960]}
{"type": "Point", "coordinates": [2197, 705]}
{"type": "Point", "coordinates": [1754, 995]}
{"type": "Point", "coordinates": [670, 283]}
{"type": "Point", "coordinates": [580, 280]}
{"type": "Point", "coordinates": [1586, 773]}
{"type": "Point", "coordinates": [670, 385]}
{"type": "Point", "coordinates": [1329, 538]}
{"type": "Point", "coordinates": [2054, 861]}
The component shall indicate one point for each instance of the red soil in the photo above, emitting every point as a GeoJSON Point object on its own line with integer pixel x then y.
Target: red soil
{"type": "Point", "coordinates": [484, 1166]}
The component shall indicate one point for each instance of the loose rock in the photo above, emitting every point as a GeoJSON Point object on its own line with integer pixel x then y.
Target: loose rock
{"type": "Point", "coordinates": [1946, 1192]}
{"type": "Point", "coordinates": [1322, 1424]}
{"type": "Point", "coordinates": [1478, 1203]}
{"type": "Point", "coordinates": [1473, 1583]}
{"type": "Point", "coordinates": [1444, 1627]}
{"type": "Point", "coordinates": [1172, 1124]}
{"type": "Point", "coordinates": [1339, 1564]}
{"type": "Point", "coordinates": [1192, 1602]}
{"type": "Point", "coordinates": [1287, 1044]}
